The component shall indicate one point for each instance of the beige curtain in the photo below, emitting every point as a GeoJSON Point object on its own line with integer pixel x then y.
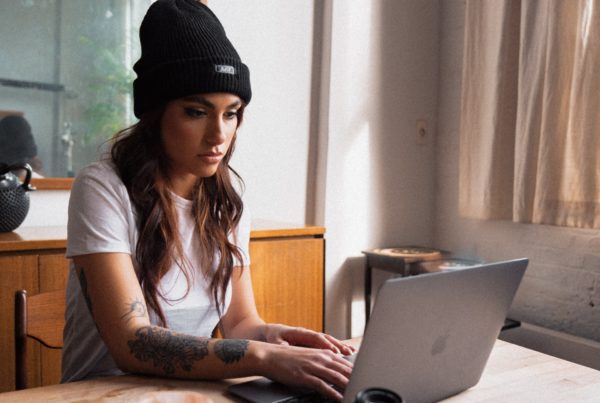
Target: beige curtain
{"type": "Point", "coordinates": [530, 118]}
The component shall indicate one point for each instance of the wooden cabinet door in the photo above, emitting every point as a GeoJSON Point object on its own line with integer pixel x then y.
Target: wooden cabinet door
{"type": "Point", "coordinates": [34, 273]}
{"type": "Point", "coordinates": [16, 272]}
{"type": "Point", "coordinates": [53, 273]}
{"type": "Point", "coordinates": [287, 277]}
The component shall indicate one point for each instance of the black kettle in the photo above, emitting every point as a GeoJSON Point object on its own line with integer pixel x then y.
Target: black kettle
{"type": "Point", "coordinates": [14, 199]}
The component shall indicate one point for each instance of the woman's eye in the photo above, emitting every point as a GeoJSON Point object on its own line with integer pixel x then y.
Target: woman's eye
{"type": "Point", "coordinates": [194, 113]}
{"type": "Point", "coordinates": [231, 114]}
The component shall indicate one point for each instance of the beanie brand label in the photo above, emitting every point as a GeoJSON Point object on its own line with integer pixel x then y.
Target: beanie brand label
{"type": "Point", "coordinates": [224, 69]}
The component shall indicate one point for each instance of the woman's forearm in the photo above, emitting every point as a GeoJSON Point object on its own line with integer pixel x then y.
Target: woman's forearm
{"type": "Point", "coordinates": [251, 328]}
{"type": "Point", "coordinates": [160, 351]}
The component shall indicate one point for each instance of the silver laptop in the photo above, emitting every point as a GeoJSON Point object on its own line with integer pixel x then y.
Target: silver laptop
{"type": "Point", "coordinates": [428, 338]}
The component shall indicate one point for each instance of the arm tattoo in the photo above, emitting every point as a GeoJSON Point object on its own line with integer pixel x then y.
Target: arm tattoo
{"type": "Point", "coordinates": [135, 309]}
{"type": "Point", "coordinates": [230, 351]}
{"type": "Point", "coordinates": [166, 349]}
{"type": "Point", "coordinates": [84, 290]}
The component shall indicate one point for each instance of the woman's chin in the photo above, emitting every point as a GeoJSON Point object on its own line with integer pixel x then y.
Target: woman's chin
{"type": "Point", "coordinates": [207, 172]}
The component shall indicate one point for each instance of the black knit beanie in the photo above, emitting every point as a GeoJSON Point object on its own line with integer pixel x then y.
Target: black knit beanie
{"type": "Point", "coordinates": [185, 51]}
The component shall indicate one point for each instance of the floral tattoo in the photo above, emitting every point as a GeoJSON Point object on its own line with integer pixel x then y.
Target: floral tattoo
{"type": "Point", "coordinates": [167, 350]}
{"type": "Point", "coordinates": [230, 351]}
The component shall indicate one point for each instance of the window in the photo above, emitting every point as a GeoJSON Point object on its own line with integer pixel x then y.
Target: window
{"type": "Point", "coordinates": [66, 70]}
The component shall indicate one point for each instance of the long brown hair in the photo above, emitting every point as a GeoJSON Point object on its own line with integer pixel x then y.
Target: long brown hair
{"type": "Point", "coordinates": [141, 163]}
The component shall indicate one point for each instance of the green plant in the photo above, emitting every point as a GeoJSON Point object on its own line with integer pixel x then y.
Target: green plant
{"type": "Point", "coordinates": [108, 89]}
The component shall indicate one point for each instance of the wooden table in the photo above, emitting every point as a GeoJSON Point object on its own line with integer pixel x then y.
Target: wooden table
{"type": "Point", "coordinates": [513, 374]}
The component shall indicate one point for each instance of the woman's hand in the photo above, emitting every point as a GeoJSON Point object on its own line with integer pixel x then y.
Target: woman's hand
{"type": "Point", "coordinates": [298, 336]}
{"type": "Point", "coordinates": [317, 369]}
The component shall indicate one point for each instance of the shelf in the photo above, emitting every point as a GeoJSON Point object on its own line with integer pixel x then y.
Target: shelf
{"type": "Point", "coordinates": [33, 85]}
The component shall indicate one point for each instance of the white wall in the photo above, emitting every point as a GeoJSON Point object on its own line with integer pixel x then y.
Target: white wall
{"type": "Point", "coordinates": [47, 208]}
{"type": "Point", "coordinates": [561, 288]}
{"type": "Point", "coordinates": [378, 177]}
{"type": "Point", "coordinates": [274, 38]}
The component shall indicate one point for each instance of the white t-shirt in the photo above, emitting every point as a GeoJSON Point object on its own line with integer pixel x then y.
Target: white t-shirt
{"type": "Point", "coordinates": [102, 219]}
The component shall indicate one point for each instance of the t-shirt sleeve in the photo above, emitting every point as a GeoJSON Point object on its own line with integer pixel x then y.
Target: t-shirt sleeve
{"type": "Point", "coordinates": [100, 216]}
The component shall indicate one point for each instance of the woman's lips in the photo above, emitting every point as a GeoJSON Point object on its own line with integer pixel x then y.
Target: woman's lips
{"type": "Point", "coordinates": [211, 158]}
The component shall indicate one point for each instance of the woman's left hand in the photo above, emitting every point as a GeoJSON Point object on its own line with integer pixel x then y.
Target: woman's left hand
{"type": "Point", "coordinates": [299, 336]}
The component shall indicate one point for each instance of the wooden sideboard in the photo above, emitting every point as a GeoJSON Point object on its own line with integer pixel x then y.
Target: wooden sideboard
{"type": "Point", "coordinates": [287, 264]}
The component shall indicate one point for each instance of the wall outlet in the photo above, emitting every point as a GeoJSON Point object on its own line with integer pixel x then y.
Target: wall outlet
{"type": "Point", "coordinates": [422, 132]}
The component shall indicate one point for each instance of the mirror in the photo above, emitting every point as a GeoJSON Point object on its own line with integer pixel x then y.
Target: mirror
{"type": "Point", "coordinates": [65, 81]}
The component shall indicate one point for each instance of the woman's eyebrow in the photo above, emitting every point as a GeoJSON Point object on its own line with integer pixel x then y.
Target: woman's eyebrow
{"type": "Point", "coordinates": [203, 101]}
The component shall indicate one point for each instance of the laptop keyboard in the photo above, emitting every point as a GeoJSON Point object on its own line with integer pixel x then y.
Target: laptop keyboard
{"type": "Point", "coordinates": [265, 390]}
{"type": "Point", "coordinates": [313, 397]}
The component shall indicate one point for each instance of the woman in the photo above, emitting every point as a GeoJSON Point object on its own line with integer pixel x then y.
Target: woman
{"type": "Point", "coordinates": [158, 235]}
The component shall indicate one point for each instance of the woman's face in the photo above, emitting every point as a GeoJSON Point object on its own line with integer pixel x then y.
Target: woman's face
{"type": "Point", "coordinates": [196, 132]}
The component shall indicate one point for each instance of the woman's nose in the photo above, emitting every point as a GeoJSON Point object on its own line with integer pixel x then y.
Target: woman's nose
{"type": "Point", "coordinates": [217, 133]}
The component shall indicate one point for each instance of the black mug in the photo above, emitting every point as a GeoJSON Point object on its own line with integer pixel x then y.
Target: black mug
{"type": "Point", "coordinates": [377, 395]}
